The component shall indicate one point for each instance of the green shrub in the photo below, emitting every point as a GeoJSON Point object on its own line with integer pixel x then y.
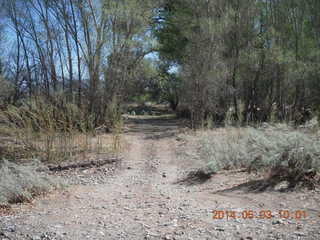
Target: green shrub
{"type": "Point", "coordinates": [142, 99]}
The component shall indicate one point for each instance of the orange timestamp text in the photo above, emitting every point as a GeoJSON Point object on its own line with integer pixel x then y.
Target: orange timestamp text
{"type": "Point", "coordinates": [262, 214]}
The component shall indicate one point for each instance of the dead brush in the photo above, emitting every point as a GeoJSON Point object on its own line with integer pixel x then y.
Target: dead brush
{"type": "Point", "coordinates": [21, 183]}
{"type": "Point", "coordinates": [268, 150]}
{"type": "Point", "coordinates": [115, 124]}
{"type": "Point", "coordinates": [53, 133]}
{"type": "Point", "coordinates": [116, 138]}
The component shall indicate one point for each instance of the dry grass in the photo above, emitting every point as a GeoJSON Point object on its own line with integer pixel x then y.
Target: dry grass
{"type": "Point", "coordinates": [52, 133]}
{"type": "Point", "coordinates": [268, 148]}
{"type": "Point", "coordinates": [21, 183]}
{"type": "Point", "coordinates": [40, 130]}
{"type": "Point", "coordinates": [57, 147]}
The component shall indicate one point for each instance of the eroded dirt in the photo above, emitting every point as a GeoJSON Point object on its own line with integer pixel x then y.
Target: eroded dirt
{"type": "Point", "coordinates": [142, 200]}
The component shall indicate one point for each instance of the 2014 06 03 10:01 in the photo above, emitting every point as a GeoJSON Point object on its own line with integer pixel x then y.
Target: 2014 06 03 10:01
{"type": "Point", "coordinates": [263, 214]}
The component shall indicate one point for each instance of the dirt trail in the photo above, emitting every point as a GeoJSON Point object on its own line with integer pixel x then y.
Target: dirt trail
{"type": "Point", "coordinates": [142, 201]}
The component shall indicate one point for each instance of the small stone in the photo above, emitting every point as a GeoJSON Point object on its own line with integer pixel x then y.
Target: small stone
{"type": "Point", "coordinates": [12, 229]}
{"type": "Point", "coordinates": [164, 175]}
{"type": "Point", "coordinates": [300, 234]}
{"type": "Point", "coordinates": [2, 234]}
{"type": "Point", "coordinates": [179, 233]}
{"type": "Point", "coordinates": [282, 186]}
{"type": "Point", "coordinates": [175, 222]}
{"type": "Point", "coordinates": [282, 204]}
{"type": "Point", "coordinates": [276, 222]}
{"type": "Point", "coordinates": [220, 229]}
{"type": "Point", "coordinates": [168, 237]}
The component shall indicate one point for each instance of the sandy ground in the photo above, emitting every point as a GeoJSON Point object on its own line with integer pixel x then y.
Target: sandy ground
{"type": "Point", "coordinates": [142, 200]}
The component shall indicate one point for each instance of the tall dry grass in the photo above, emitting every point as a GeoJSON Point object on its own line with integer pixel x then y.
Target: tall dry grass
{"type": "Point", "coordinates": [52, 133]}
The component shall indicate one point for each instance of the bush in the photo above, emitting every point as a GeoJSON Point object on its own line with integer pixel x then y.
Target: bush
{"type": "Point", "coordinates": [257, 149]}
{"type": "Point", "coordinates": [20, 183]}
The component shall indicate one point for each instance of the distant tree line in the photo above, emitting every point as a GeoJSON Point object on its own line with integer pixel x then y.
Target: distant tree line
{"type": "Point", "coordinates": [254, 60]}
{"type": "Point", "coordinates": [249, 61]}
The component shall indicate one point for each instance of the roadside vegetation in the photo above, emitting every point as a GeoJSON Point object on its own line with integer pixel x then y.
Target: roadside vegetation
{"type": "Point", "coordinates": [21, 183]}
{"type": "Point", "coordinates": [52, 133]}
{"type": "Point", "coordinates": [276, 152]}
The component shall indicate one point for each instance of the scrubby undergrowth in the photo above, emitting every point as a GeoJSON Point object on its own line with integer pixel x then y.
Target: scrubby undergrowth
{"type": "Point", "coordinates": [21, 183]}
{"type": "Point", "coordinates": [55, 131]}
{"type": "Point", "coordinates": [281, 152]}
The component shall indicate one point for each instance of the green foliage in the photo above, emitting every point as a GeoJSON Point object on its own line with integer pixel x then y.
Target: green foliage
{"type": "Point", "coordinates": [170, 85]}
{"type": "Point", "coordinates": [142, 99]}
{"type": "Point", "coordinates": [170, 28]}
{"type": "Point", "coordinates": [259, 54]}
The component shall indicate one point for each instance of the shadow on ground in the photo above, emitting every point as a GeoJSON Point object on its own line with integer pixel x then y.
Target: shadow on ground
{"type": "Point", "coordinates": [266, 185]}
{"type": "Point", "coordinates": [196, 177]}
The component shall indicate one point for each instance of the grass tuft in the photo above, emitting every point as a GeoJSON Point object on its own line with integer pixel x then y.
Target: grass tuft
{"type": "Point", "coordinates": [21, 183]}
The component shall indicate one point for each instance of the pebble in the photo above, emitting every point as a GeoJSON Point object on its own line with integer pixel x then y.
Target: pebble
{"type": "Point", "coordinates": [300, 234]}
{"type": "Point", "coordinates": [278, 221]}
{"type": "Point", "coordinates": [219, 229]}
{"type": "Point", "coordinates": [12, 229]}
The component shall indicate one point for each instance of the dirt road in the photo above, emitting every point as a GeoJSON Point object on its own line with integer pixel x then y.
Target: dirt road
{"type": "Point", "coordinates": [142, 201]}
